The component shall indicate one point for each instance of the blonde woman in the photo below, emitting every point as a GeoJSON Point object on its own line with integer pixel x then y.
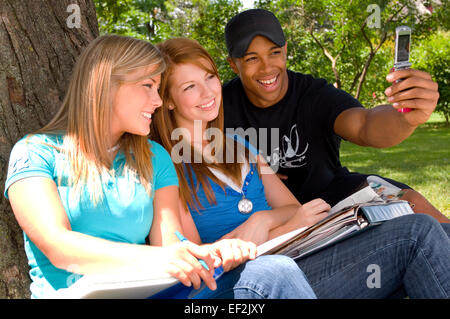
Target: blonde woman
{"type": "Point", "coordinates": [89, 188]}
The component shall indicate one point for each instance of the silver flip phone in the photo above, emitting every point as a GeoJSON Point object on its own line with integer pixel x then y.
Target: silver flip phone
{"type": "Point", "coordinates": [402, 47]}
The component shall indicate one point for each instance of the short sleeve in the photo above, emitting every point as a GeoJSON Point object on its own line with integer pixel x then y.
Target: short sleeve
{"type": "Point", "coordinates": [30, 157]}
{"type": "Point", "coordinates": [330, 102]}
{"type": "Point", "coordinates": [341, 101]}
{"type": "Point", "coordinates": [164, 172]}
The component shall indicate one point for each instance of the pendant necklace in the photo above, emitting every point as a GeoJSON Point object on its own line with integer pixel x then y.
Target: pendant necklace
{"type": "Point", "coordinates": [245, 206]}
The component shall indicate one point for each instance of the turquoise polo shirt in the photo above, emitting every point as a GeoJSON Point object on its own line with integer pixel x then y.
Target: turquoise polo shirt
{"type": "Point", "coordinates": [124, 214]}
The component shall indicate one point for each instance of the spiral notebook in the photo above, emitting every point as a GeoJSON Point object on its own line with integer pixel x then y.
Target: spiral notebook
{"type": "Point", "coordinates": [346, 219]}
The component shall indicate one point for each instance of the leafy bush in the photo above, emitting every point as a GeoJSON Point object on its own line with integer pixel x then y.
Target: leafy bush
{"type": "Point", "coordinates": [433, 56]}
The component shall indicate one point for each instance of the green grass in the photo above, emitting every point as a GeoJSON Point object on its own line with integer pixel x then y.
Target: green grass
{"type": "Point", "coordinates": [422, 161]}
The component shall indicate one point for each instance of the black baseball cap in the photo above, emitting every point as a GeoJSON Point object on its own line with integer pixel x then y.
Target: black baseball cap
{"type": "Point", "coordinates": [243, 27]}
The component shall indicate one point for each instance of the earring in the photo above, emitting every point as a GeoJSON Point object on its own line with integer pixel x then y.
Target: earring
{"type": "Point", "coordinates": [171, 107]}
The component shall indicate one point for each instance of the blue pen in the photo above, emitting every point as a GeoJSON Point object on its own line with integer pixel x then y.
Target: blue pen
{"type": "Point", "coordinates": [182, 238]}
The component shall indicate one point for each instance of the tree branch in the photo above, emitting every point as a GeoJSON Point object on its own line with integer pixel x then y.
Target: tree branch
{"type": "Point", "coordinates": [373, 51]}
{"type": "Point", "coordinates": [333, 60]}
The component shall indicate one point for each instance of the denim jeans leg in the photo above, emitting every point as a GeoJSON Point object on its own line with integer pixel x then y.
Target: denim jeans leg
{"type": "Point", "coordinates": [266, 277]}
{"type": "Point", "coordinates": [410, 253]}
{"type": "Point", "coordinates": [401, 293]}
{"type": "Point", "coordinates": [446, 227]}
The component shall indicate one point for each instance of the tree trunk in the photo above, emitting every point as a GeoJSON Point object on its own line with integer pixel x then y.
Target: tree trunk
{"type": "Point", "coordinates": [39, 43]}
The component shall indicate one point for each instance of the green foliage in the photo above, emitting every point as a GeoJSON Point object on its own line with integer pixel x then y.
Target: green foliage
{"type": "Point", "coordinates": [156, 20]}
{"type": "Point", "coordinates": [332, 39]}
{"type": "Point", "coordinates": [125, 17]}
{"type": "Point", "coordinates": [208, 29]}
{"type": "Point", "coordinates": [433, 55]}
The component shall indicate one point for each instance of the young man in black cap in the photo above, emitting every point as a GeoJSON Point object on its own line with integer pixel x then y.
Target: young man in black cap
{"type": "Point", "coordinates": [308, 117]}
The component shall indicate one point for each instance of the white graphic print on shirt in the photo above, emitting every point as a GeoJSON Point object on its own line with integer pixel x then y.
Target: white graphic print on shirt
{"type": "Point", "coordinates": [289, 156]}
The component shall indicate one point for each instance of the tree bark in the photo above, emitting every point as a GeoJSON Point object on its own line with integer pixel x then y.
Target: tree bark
{"type": "Point", "coordinates": [39, 43]}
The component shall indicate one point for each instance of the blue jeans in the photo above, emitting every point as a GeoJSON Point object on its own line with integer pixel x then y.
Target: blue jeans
{"type": "Point", "coordinates": [266, 277]}
{"type": "Point", "coordinates": [406, 256]}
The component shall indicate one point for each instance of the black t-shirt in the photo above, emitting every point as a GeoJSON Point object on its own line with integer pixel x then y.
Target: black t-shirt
{"type": "Point", "coordinates": [306, 149]}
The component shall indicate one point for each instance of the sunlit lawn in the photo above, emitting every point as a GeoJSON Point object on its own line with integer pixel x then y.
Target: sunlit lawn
{"type": "Point", "coordinates": [422, 161]}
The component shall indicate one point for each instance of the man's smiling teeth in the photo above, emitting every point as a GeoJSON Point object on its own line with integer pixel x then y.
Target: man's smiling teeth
{"type": "Point", "coordinates": [147, 115]}
{"type": "Point", "coordinates": [204, 106]}
{"type": "Point", "coordinates": [267, 82]}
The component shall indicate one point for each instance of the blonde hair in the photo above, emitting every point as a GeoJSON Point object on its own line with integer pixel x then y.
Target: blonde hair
{"type": "Point", "coordinates": [86, 112]}
{"type": "Point", "coordinates": [186, 51]}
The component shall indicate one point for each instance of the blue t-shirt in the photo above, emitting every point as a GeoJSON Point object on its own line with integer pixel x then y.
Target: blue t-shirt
{"type": "Point", "coordinates": [124, 214]}
{"type": "Point", "coordinates": [216, 220]}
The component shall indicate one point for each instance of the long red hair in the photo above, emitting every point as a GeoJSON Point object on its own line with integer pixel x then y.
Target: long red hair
{"type": "Point", "coordinates": [186, 51]}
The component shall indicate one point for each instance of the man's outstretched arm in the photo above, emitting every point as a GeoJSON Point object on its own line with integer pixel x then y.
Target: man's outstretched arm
{"type": "Point", "coordinates": [384, 126]}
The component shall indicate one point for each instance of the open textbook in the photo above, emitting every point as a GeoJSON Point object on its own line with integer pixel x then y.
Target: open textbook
{"type": "Point", "coordinates": [366, 208]}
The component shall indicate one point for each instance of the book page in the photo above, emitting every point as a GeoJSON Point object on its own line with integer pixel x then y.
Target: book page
{"type": "Point", "coordinates": [323, 226]}
{"type": "Point", "coordinates": [270, 244]}
{"type": "Point", "coordinates": [367, 194]}
{"type": "Point", "coordinates": [307, 247]}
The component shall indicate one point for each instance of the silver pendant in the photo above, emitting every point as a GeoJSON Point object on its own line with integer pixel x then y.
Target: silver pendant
{"type": "Point", "coordinates": [245, 206]}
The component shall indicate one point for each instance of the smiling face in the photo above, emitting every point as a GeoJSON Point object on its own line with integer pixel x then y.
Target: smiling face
{"type": "Point", "coordinates": [195, 94]}
{"type": "Point", "coordinates": [133, 105]}
{"type": "Point", "coordinates": [263, 71]}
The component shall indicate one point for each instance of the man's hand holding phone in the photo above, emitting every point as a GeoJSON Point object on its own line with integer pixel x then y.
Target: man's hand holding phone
{"type": "Point", "coordinates": [401, 54]}
{"type": "Point", "coordinates": [413, 92]}
{"type": "Point", "coordinates": [416, 91]}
